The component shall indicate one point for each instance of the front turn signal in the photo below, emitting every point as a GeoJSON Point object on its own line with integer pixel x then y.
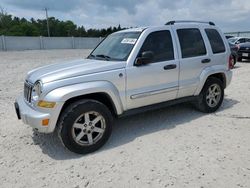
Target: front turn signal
{"type": "Point", "coordinates": [46, 104]}
{"type": "Point", "coordinates": [45, 122]}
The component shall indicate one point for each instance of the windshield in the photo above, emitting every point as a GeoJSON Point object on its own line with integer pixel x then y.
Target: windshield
{"type": "Point", "coordinates": [232, 40]}
{"type": "Point", "coordinates": [116, 47]}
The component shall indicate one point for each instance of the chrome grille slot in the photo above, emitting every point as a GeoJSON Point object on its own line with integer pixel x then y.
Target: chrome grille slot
{"type": "Point", "coordinates": [27, 91]}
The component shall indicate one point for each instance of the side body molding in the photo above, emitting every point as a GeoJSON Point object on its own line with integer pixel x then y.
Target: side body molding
{"type": "Point", "coordinates": [62, 94]}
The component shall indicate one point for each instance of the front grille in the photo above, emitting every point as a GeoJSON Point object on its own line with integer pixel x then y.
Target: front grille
{"type": "Point", "coordinates": [27, 91]}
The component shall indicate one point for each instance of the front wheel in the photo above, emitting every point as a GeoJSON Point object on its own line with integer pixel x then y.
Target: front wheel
{"type": "Point", "coordinates": [85, 126]}
{"type": "Point", "coordinates": [211, 96]}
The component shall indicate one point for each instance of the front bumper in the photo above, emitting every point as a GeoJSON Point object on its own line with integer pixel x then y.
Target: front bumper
{"type": "Point", "coordinates": [30, 116]}
{"type": "Point", "coordinates": [244, 55]}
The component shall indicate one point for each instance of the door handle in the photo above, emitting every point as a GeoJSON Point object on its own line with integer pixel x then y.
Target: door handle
{"type": "Point", "coordinates": [205, 61]}
{"type": "Point", "coordinates": [168, 67]}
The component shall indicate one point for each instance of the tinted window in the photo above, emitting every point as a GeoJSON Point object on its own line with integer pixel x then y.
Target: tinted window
{"type": "Point", "coordinates": [191, 43]}
{"type": "Point", "coordinates": [215, 40]}
{"type": "Point", "coordinates": [160, 43]}
{"type": "Point", "coordinates": [242, 40]}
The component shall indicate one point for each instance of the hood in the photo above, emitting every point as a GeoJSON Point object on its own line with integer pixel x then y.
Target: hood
{"type": "Point", "coordinates": [72, 69]}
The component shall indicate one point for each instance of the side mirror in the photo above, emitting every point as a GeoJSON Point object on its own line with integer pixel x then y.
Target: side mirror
{"type": "Point", "coordinates": [146, 57]}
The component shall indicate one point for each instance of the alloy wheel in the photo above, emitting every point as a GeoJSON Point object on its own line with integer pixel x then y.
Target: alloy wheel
{"type": "Point", "coordinates": [88, 128]}
{"type": "Point", "coordinates": [213, 95]}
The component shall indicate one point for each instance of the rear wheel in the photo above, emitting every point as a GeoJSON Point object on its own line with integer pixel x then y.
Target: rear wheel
{"type": "Point", "coordinates": [211, 96]}
{"type": "Point", "coordinates": [85, 126]}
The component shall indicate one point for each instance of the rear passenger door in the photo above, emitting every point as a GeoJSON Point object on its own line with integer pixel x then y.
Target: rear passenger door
{"type": "Point", "coordinates": [193, 57]}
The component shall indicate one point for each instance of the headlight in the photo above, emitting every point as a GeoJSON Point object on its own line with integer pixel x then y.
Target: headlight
{"type": "Point", "coordinates": [37, 90]}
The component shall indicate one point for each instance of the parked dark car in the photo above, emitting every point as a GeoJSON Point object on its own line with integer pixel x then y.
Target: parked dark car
{"type": "Point", "coordinates": [244, 51]}
{"type": "Point", "coordinates": [234, 52]}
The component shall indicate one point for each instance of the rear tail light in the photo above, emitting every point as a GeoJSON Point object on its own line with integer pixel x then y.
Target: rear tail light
{"type": "Point", "coordinates": [230, 62]}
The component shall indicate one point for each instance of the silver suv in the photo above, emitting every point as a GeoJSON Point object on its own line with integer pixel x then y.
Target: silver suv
{"type": "Point", "coordinates": [128, 72]}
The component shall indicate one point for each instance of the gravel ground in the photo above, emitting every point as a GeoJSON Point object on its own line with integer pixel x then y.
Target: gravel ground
{"type": "Point", "coordinates": [172, 147]}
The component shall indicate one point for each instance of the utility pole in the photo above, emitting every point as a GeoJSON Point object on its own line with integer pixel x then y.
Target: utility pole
{"type": "Point", "coordinates": [46, 11]}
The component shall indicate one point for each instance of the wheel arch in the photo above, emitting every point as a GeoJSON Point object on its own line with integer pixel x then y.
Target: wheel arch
{"type": "Point", "coordinates": [102, 97]}
{"type": "Point", "coordinates": [102, 91]}
{"type": "Point", "coordinates": [219, 74]}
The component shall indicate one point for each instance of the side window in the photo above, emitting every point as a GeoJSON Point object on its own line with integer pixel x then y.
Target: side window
{"type": "Point", "coordinates": [160, 43]}
{"type": "Point", "coordinates": [191, 43]}
{"type": "Point", "coordinates": [215, 40]}
{"type": "Point", "coordinates": [242, 40]}
{"type": "Point", "coordinates": [247, 40]}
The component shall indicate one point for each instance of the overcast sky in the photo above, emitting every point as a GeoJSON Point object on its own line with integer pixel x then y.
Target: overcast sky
{"type": "Point", "coordinates": [230, 15]}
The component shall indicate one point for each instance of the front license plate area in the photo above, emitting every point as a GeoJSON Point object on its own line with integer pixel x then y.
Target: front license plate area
{"type": "Point", "coordinates": [245, 54]}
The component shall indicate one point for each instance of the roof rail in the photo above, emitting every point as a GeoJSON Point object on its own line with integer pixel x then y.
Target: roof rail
{"type": "Point", "coordinates": [188, 21]}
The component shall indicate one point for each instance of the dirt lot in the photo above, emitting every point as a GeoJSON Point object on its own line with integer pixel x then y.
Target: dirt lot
{"type": "Point", "coordinates": [173, 147]}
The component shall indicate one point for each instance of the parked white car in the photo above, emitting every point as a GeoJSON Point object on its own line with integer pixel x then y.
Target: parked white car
{"type": "Point", "coordinates": [128, 72]}
{"type": "Point", "coordinates": [238, 40]}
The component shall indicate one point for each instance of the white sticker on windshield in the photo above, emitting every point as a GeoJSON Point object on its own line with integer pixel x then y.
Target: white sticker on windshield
{"type": "Point", "coordinates": [128, 41]}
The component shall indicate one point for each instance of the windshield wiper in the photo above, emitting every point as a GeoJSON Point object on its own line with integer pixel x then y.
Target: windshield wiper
{"type": "Point", "coordinates": [91, 56]}
{"type": "Point", "coordinates": [103, 56]}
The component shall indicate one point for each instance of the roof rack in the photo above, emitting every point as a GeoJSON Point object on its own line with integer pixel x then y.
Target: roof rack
{"type": "Point", "coordinates": [188, 21]}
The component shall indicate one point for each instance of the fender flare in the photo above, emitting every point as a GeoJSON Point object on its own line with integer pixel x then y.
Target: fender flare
{"type": "Point", "coordinates": [65, 93]}
{"type": "Point", "coordinates": [208, 72]}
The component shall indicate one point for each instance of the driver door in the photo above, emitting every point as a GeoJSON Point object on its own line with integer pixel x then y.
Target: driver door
{"type": "Point", "coordinates": [156, 81]}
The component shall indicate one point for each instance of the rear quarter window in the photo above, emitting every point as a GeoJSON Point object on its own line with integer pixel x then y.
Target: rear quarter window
{"type": "Point", "coordinates": [215, 40]}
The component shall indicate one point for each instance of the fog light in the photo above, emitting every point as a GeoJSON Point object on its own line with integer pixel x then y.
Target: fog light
{"type": "Point", "coordinates": [46, 104]}
{"type": "Point", "coordinates": [45, 122]}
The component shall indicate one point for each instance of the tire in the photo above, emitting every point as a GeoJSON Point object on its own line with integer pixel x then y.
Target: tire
{"type": "Point", "coordinates": [205, 97]}
{"type": "Point", "coordinates": [85, 126]}
{"type": "Point", "coordinates": [234, 61]}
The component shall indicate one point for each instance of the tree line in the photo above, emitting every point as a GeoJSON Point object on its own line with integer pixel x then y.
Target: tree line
{"type": "Point", "coordinates": [15, 26]}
